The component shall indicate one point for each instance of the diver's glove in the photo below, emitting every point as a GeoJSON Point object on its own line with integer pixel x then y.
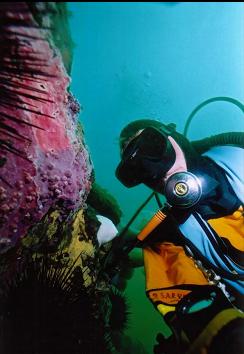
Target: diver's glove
{"type": "Point", "coordinates": [117, 266]}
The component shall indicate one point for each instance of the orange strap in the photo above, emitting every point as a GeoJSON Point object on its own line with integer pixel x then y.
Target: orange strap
{"type": "Point", "coordinates": [151, 225]}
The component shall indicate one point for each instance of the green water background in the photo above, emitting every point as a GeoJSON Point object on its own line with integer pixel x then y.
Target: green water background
{"type": "Point", "coordinates": [153, 60]}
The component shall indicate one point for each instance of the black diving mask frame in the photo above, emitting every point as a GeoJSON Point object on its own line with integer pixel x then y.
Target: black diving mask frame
{"type": "Point", "coordinates": [146, 158]}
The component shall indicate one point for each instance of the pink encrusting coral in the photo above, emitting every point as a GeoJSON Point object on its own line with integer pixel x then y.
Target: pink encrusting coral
{"type": "Point", "coordinates": [43, 157]}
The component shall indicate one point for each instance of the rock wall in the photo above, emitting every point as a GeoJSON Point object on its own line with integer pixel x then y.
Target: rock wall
{"type": "Point", "coordinates": [43, 157]}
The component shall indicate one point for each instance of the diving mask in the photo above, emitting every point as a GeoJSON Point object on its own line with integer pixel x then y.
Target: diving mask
{"type": "Point", "coordinates": [146, 158]}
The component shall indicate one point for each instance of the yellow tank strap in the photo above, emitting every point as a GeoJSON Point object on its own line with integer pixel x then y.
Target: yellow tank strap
{"type": "Point", "coordinates": [219, 321]}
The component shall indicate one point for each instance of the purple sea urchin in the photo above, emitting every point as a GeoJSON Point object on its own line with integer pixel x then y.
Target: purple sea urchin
{"type": "Point", "coordinates": [46, 309]}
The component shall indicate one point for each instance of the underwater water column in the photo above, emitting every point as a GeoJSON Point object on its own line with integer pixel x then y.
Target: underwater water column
{"type": "Point", "coordinates": [151, 60]}
{"type": "Point", "coordinates": [43, 157]}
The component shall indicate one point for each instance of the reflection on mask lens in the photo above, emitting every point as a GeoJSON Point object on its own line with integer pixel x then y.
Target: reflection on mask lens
{"type": "Point", "coordinates": [149, 144]}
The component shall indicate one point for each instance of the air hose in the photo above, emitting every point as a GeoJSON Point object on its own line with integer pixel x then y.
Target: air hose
{"type": "Point", "coordinates": [232, 138]}
{"type": "Point", "coordinates": [205, 103]}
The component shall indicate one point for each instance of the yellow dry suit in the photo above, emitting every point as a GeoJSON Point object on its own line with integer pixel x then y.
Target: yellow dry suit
{"type": "Point", "coordinates": [174, 271]}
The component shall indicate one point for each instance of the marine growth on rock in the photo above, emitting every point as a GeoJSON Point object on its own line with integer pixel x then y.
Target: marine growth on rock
{"type": "Point", "coordinates": [43, 158]}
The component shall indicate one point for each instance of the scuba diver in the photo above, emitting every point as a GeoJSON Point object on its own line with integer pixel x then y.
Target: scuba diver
{"type": "Point", "coordinates": [193, 246]}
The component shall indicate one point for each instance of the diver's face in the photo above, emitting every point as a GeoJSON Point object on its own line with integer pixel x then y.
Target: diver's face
{"type": "Point", "coordinates": [180, 161]}
{"type": "Point", "coordinates": [150, 157]}
{"type": "Point", "coordinates": [179, 165]}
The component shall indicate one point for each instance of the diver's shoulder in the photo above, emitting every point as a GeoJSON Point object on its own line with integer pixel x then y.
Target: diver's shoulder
{"type": "Point", "coordinates": [224, 151]}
